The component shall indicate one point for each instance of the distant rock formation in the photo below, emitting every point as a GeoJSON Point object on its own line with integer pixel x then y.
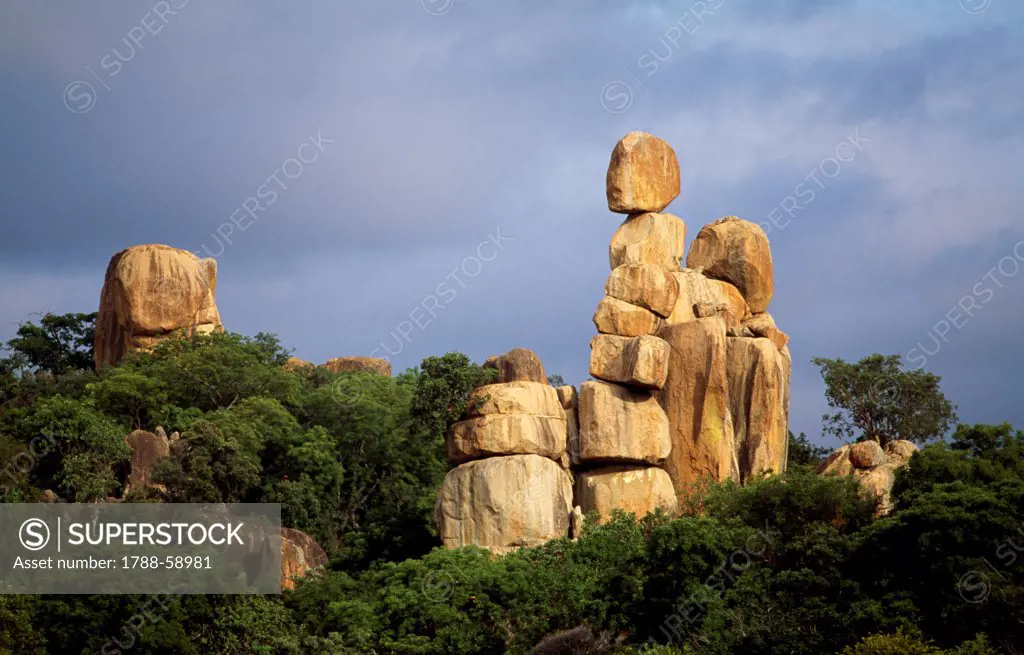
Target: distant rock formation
{"type": "Point", "coordinates": [511, 451]}
{"type": "Point", "coordinates": [149, 293]}
{"type": "Point", "coordinates": [147, 448]}
{"type": "Point", "coordinates": [624, 433]}
{"type": "Point", "coordinates": [873, 467]}
{"type": "Point", "coordinates": [300, 554]}
{"type": "Point", "coordinates": [296, 364]}
{"type": "Point", "coordinates": [511, 487]}
{"type": "Point", "coordinates": [357, 365]}
{"type": "Point", "coordinates": [698, 339]}
{"type": "Point", "coordinates": [691, 381]}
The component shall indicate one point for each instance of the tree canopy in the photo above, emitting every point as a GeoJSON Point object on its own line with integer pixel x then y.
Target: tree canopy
{"type": "Point", "coordinates": [792, 563]}
{"type": "Point", "coordinates": [876, 398]}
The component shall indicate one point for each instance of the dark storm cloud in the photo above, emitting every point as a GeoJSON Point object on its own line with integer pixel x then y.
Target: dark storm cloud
{"type": "Point", "coordinates": [442, 122]}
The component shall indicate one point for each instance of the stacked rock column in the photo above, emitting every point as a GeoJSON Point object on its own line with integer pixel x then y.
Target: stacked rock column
{"type": "Point", "coordinates": [698, 339]}
{"type": "Point", "coordinates": [624, 434]}
{"type": "Point", "coordinates": [733, 258]}
{"type": "Point", "coordinates": [511, 487]}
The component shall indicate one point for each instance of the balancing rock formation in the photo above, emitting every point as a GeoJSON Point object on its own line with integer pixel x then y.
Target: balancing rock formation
{"type": "Point", "coordinates": [691, 381]}
{"type": "Point", "coordinates": [511, 487]}
{"type": "Point", "coordinates": [149, 293]}
{"type": "Point", "coordinates": [713, 358]}
{"type": "Point", "coordinates": [873, 467]}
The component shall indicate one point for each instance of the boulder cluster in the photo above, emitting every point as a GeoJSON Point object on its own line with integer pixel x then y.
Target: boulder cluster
{"type": "Point", "coordinates": [690, 381]}
{"type": "Point", "coordinates": [690, 373]}
{"type": "Point", "coordinates": [696, 340]}
{"type": "Point", "coordinates": [149, 293]}
{"type": "Point", "coordinates": [511, 486]}
{"type": "Point", "coordinates": [873, 467]}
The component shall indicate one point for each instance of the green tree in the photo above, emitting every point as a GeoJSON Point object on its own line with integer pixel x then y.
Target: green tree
{"type": "Point", "coordinates": [896, 644]}
{"type": "Point", "coordinates": [208, 466]}
{"type": "Point", "coordinates": [59, 344]}
{"type": "Point", "coordinates": [88, 453]}
{"type": "Point", "coordinates": [803, 452]}
{"type": "Point", "coordinates": [215, 371]}
{"type": "Point", "coordinates": [134, 398]}
{"type": "Point", "coordinates": [877, 399]}
{"type": "Point", "coordinates": [980, 455]}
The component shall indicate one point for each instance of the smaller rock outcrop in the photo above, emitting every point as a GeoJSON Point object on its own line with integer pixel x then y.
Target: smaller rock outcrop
{"type": "Point", "coordinates": [357, 365]}
{"type": "Point", "coordinates": [300, 554]}
{"type": "Point", "coordinates": [511, 486]}
{"type": "Point", "coordinates": [866, 455]}
{"type": "Point", "coordinates": [147, 448]}
{"type": "Point", "coordinates": [296, 364]}
{"type": "Point", "coordinates": [873, 467]}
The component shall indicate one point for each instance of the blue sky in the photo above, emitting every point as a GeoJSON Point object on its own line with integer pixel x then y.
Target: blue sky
{"type": "Point", "coordinates": [441, 122]}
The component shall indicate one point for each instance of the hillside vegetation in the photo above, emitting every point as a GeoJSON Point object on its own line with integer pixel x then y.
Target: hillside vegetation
{"type": "Point", "coordinates": [795, 563]}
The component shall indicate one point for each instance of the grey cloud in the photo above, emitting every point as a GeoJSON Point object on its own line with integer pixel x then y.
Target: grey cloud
{"type": "Point", "coordinates": [489, 115]}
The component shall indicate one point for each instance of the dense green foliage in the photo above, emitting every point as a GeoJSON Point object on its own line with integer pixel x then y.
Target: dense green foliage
{"type": "Point", "coordinates": [794, 563]}
{"type": "Point", "coordinates": [804, 453]}
{"type": "Point", "coordinates": [876, 398]}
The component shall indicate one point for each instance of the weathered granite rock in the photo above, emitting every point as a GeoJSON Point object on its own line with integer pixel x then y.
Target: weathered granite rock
{"type": "Point", "coordinates": [726, 294]}
{"type": "Point", "coordinates": [296, 364]}
{"type": "Point", "coordinates": [48, 496]}
{"type": "Point", "coordinates": [838, 463]}
{"type": "Point", "coordinates": [614, 316]}
{"type": "Point", "coordinates": [763, 325]}
{"type": "Point", "coordinates": [633, 361]}
{"type": "Point", "coordinates": [520, 397]}
{"type": "Point", "coordinates": [576, 521]}
{"type": "Point", "coordinates": [696, 400]}
{"type": "Point", "coordinates": [643, 175]}
{"type": "Point", "coordinates": [151, 292]}
{"type": "Point", "coordinates": [506, 434]}
{"type": "Point", "coordinates": [570, 403]}
{"type": "Point", "coordinates": [646, 285]}
{"type": "Point", "coordinates": [504, 503]}
{"type": "Point", "coordinates": [694, 290]}
{"type": "Point", "coordinates": [649, 238]}
{"type": "Point", "coordinates": [358, 365]}
{"type": "Point", "coordinates": [758, 377]}
{"type": "Point", "coordinates": [877, 484]}
{"type": "Point", "coordinates": [873, 468]}
{"type": "Point", "coordinates": [633, 489]}
{"type": "Point", "coordinates": [618, 424]}
{"type": "Point", "coordinates": [518, 364]}
{"type": "Point", "coordinates": [736, 251]}
{"type": "Point", "coordinates": [300, 554]}
{"type": "Point", "coordinates": [900, 451]}
{"type": "Point", "coordinates": [147, 448]}
{"type": "Point", "coordinates": [866, 455]}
